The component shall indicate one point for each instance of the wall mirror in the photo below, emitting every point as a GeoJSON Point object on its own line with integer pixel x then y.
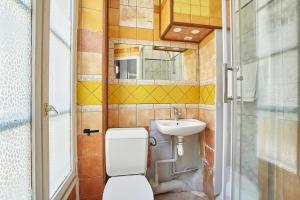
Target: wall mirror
{"type": "Point", "coordinates": [144, 62]}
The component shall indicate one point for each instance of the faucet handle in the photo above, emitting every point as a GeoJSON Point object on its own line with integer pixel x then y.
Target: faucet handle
{"type": "Point", "coordinates": [176, 113]}
{"type": "Point", "coordinates": [175, 110]}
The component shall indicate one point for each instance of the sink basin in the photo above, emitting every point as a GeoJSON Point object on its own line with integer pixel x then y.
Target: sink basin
{"type": "Point", "coordinates": [181, 128]}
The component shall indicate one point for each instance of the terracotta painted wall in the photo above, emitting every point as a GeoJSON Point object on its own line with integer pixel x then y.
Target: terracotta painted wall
{"type": "Point", "coordinates": [207, 113]}
{"type": "Point", "coordinates": [89, 71]}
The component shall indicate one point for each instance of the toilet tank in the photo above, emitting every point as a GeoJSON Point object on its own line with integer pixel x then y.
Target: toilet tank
{"type": "Point", "coordinates": [126, 151]}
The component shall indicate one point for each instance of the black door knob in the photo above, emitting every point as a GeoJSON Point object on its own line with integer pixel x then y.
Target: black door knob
{"type": "Point", "coordinates": [89, 131]}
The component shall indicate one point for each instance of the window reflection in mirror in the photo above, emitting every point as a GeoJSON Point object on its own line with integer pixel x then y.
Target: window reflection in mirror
{"type": "Point", "coordinates": [154, 62]}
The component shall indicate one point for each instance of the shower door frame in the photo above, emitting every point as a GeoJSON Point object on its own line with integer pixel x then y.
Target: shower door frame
{"type": "Point", "coordinates": [230, 184]}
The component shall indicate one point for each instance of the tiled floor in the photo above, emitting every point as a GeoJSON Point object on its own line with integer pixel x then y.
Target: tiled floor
{"type": "Point", "coordinates": [179, 196]}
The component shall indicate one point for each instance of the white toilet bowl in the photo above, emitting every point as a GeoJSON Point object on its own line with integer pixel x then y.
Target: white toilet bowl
{"type": "Point", "coordinates": [126, 152]}
{"type": "Point", "coordinates": [135, 187]}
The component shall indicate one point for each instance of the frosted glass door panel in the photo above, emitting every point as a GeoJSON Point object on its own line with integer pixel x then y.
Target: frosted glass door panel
{"type": "Point", "coordinates": [15, 99]}
{"type": "Point", "coordinates": [60, 137]}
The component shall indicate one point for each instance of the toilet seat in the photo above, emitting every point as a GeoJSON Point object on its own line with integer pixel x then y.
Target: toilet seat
{"type": "Point", "coordinates": [133, 187]}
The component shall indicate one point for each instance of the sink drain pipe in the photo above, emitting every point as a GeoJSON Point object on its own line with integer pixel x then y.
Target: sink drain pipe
{"type": "Point", "coordinates": [177, 149]}
{"type": "Point", "coordinates": [180, 150]}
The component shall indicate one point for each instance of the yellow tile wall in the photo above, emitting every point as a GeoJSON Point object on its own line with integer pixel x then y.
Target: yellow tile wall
{"type": "Point", "coordinates": [207, 94]}
{"type": "Point", "coordinates": [153, 94]}
{"type": "Point", "coordinates": [89, 93]}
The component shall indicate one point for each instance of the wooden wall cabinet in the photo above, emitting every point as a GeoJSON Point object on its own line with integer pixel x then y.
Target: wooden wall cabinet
{"type": "Point", "coordinates": [189, 20]}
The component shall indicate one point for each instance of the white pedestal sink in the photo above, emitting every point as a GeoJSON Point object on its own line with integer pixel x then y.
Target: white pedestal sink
{"type": "Point", "coordinates": [184, 127]}
{"type": "Point", "coordinates": [180, 129]}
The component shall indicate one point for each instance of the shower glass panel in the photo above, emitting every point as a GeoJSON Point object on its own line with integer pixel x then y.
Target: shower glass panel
{"type": "Point", "coordinates": [267, 136]}
{"type": "Point", "coordinates": [15, 99]}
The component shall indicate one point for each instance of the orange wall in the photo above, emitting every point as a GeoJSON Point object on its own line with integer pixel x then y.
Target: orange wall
{"type": "Point", "coordinates": [89, 66]}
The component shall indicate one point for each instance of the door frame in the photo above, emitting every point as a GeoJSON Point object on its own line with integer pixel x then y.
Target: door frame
{"type": "Point", "coordinates": [230, 173]}
{"type": "Point", "coordinates": [40, 140]}
{"type": "Point", "coordinates": [37, 138]}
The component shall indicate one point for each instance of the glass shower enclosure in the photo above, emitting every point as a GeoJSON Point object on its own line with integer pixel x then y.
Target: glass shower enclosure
{"type": "Point", "coordinates": [262, 132]}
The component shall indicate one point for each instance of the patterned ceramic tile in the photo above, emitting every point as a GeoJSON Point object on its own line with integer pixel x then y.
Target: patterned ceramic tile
{"type": "Point", "coordinates": [128, 16]}
{"type": "Point", "coordinates": [152, 94]}
{"type": "Point", "coordinates": [207, 94]}
{"type": "Point", "coordinates": [89, 41]}
{"type": "Point", "coordinates": [92, 4]}
{"type": "Point", "coordinates": [90, 19]}
{"type": "Point", "coordinates": [89, 93]}
{"type": "Point", "coordinates": [89, 63]}
{"type": "Point", "coordinates": [193, 7]}
{"type": "Point", "coordinates": [145, 3]}
{"type": "Point", "coordinates": [132, 2]}
{"type": "Point", "coordinates": [124, 2]}
{"type": "Point", "coordinates": [145, 18]}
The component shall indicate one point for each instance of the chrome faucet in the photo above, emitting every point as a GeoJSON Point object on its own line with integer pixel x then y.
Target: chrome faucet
{"type": "Point", "coordinates": [176, 114]}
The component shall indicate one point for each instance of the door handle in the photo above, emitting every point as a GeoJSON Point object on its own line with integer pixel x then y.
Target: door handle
{"type": "Point", "coordinates": [231, 98]}
{"type": "Point", "coordinates": [240, 78]}
{"type": "Point", "coordinates": [89, 131]}
{"type": "Point", "coordinates": [50, 108]}
{"type": "Point", "coordinates": [227, 68]}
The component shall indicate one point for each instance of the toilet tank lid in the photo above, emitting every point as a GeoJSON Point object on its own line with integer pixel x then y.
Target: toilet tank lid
{"type": "Point", "coordinates": [128, 133]}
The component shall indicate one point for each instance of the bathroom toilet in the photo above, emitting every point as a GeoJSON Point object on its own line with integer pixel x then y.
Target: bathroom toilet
{"type": "Point", "coordinates": [126, 152]}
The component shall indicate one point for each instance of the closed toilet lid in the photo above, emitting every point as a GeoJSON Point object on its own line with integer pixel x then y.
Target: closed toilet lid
{"type": "Point", "coordinates": [135, 187]}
